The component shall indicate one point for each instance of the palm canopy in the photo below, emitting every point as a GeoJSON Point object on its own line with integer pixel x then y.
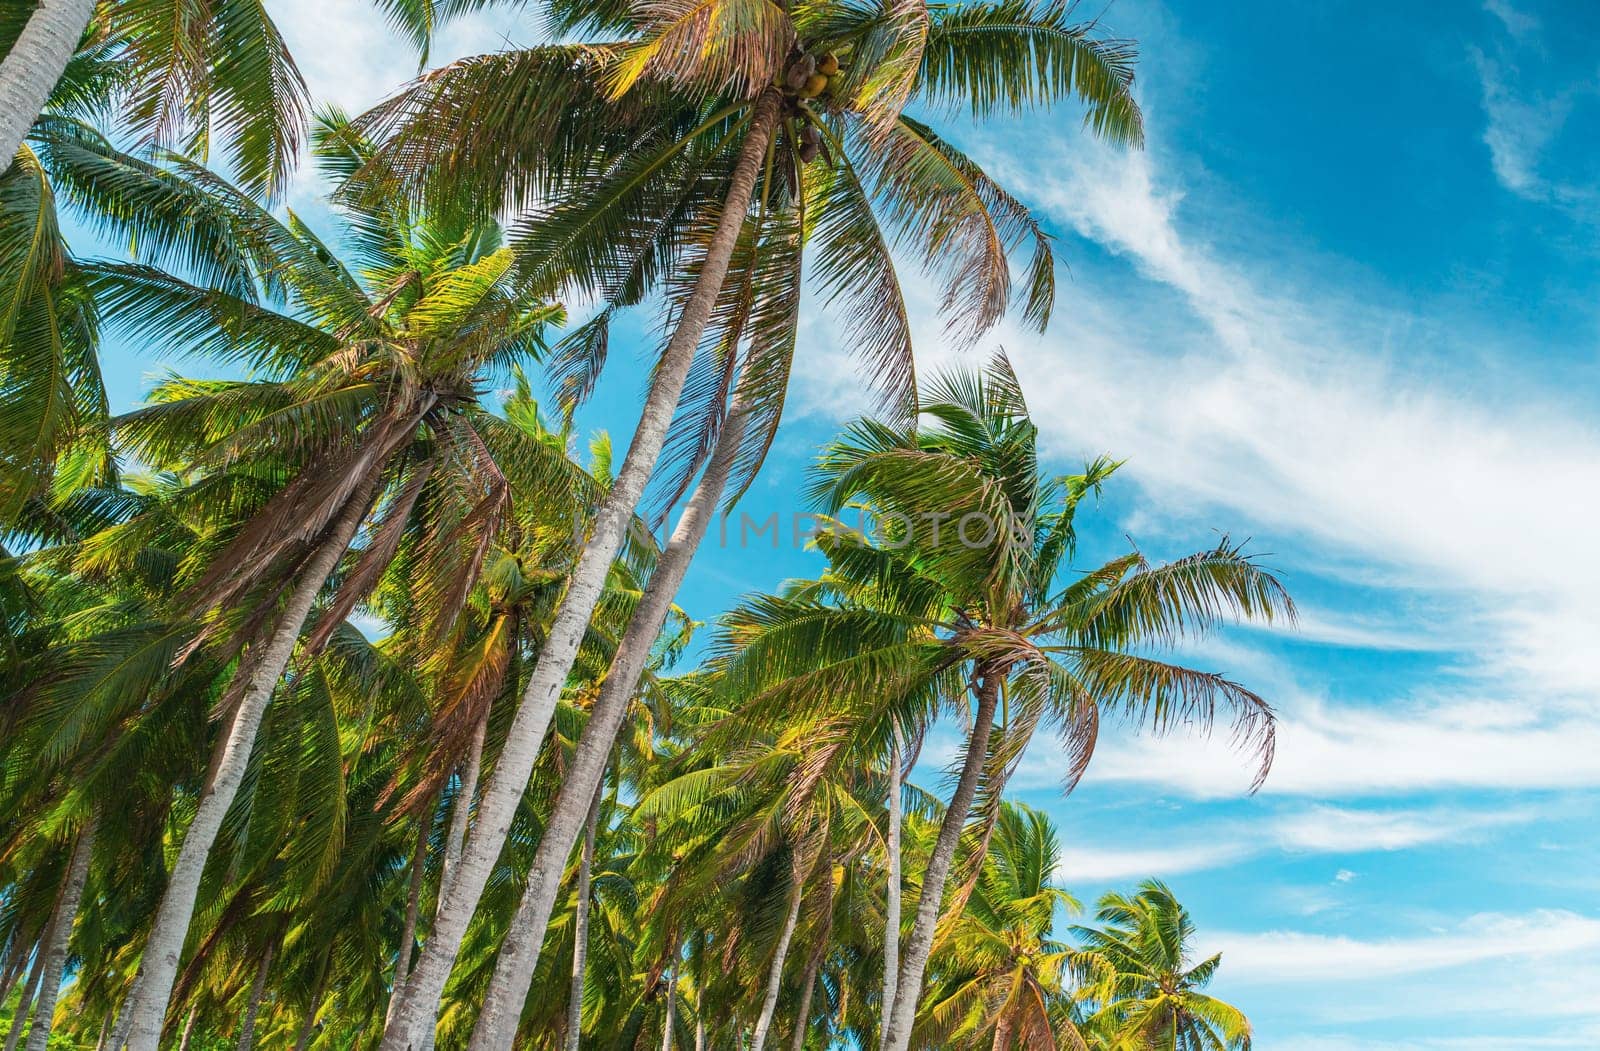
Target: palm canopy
{"type": "Point", "coordinates": [622, 147]}
{"type": "Point", "coordinates": [1143, 987]}
{"type": "Point", "coordinates": [964, 571]}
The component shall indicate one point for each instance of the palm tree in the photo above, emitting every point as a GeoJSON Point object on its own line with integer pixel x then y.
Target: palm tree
{"type": "Point", "coordinates": [1000, 973]}
{"type": "Point", "coordinates": [976, 616]}
{"type": "Point", "coordinates": [187, 74]}
{"type": "Point", "coordinates": [683, 94]}
{"type": "Point", "coordinates": [351, 378]}
{"type": "Point", "coordinates": [1141, 983]}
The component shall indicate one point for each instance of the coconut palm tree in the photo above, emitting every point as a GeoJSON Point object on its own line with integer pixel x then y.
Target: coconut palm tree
{"type": "Point", "coordinates": [1000, 973]}
{"type": "Point", "coordinates": [958, 595]}
{"type": "Point", "coordinates": [1140, 981]}
{"type": "Point", "coordinates": [347, 380]}
{"type": "Point", "coordinates": [823, 82]}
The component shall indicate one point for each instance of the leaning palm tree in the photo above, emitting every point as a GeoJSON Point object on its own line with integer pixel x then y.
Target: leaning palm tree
{"type": "Point", "coordinates": [1141, 983]}
{"type": "Point", "coordinates": [363, 394]}
{"type": "Point", "coordinates": [718, 140]}
{"type": "Point", "coordinates": [1000, 972]}
{"type": "Point", "coordinates": [959, 594]}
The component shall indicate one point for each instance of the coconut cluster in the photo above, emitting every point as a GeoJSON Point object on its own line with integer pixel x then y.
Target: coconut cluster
{"type": "Point", "coordinates": [808, 77]}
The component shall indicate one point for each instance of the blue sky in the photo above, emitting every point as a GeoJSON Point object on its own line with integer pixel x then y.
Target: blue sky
{"type": "Point", "coordinates": [1343, 304]}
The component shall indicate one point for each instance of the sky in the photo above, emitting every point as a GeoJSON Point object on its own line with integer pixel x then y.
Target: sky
{"type": "Point", "coordinates": [1342, 304]}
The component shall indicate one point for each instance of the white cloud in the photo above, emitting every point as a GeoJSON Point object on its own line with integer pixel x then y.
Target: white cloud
{"type": "Point", "coordinates": [1317, 829]}
{"type": "Point", "coordinates": [1326, 750]}
{"type": "Point", "coordinates": [1518, 23]}
{"type": "Point", "coordinates": [1292, 957]}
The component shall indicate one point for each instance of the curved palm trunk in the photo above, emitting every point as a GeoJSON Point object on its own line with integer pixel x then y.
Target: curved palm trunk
{"type": "Point", "coordinates": [580, 930]}
{"type": "Point", "coordinates": [408, 933]}
{"type": "Point", "coordinates": [258, 989]}
{"type": "Point", "coordinates": [672, 1009]}
{"type": "Point", "coordinates": [519, 950]}
{"type": "Point", "coordinates": [146, 1010]}
{"type": "Point", "coordinates": [908, 987]}
{"type": "Point", "coordinates": [188, 1032]}
{"type": "Point", "coordinates": [55, 961]}
{"type": "Point", "coordinates": [891, 896]}
{"type": "Point", "coordinates": [461, 812]}
{"type": "Point", "coordinates": [29, 72]}
{"type": "Point", "coordinates": [780, 953]}
{"type": "Point", "coordinates": [802, 1016]}
{"type": "Point", "coordinates": [1002, 1034]}
{"type": "Point", "coordinates": [25, 1005]}
{"type": "Point", "coordinates": [497, 1022]}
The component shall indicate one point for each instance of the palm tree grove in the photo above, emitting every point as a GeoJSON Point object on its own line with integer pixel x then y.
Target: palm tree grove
{"type": "Point", "coordinates": [360, 687]}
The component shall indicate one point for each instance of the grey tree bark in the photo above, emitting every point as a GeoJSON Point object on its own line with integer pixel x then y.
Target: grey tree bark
{"type": "Point", "coordinates": [29, 71]}
{"type": "Point", "coordinates": [258, 989]}
{"type": "Point", "coordinates": [908, 987]}
{"type": "Point", "coordinates": [780, 954]}
{"type": "Point", "coordinates": [802, 1015]}
{"type": "Point", "coordinates": [55, 961]}
{"type": "Point", "coordinates": [408, 933]}
{"type": "Point", "coordinates": [672, 1008]}
{"type": "Point", "coordinates": [419, 1009]}
{"type": "Point", "coordinates": [891, 897]}
{"type": "Point", "coordinates": [580, 928]}
{"type": "Point", "coordinates": [519, 950]}
{"type": "Point", "coordinates": [188, 1032]}
{"type": "Point", "coordinates": [25, 1005]}
{"type": "Point", "coordinates": [146, 1009]}
{"type": "Point", "coordinates": [461, 812]}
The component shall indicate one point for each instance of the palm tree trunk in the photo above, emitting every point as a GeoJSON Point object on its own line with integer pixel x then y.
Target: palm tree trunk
{"type": "Point", "coordinates": [29, 71]}
{"type": "Point", "coordinates": [55, 961]}
{"type": "Point", "coordinates": [891, 897]}
{"type": "Point", "coordinates": [580, 930]}
{"type": "Point", "coordinates": [25, 1004]}
{"type": "Point", "coordinates": [152, 987]}
{"type": "Point", "coordinates": [258, 989]}
{"type": "Point", "coordinates": [188, 1032]}
{"type": "Point", "coordinates": [908, 987]}
{"type": "Point", "coordinates": [461, 812]}
{"type": "Point", "coordinates": [699, 1033]}
{"type": "Point", "coordinates": [519, 952]}
{"type": "Point", "coordinates": [780, 953]}
{"type": "Point", "coordinates": [1002, 1034]}
{"type": "Point", "coordinates": [408, 934]}
{"type": "Point", "coordinates": [802, 1016]}
{"type": "Point", "coordinates": [672, 1008]}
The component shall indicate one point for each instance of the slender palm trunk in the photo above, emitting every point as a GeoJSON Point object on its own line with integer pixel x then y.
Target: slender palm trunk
{"type": "Point", "coordinates": [780, 953]}
{"type": "Point", "coordinates": [55, 962]}
{"type": "Point", "coordinates": [802, 1016]}
{"type": "Point", "coordinates": [29, 71]}
{"type": "Point", "coordinates": [891, 896]}
{"type": "Point", "coordinates": [908, 987]}
{"type": "Point", "coordinates": [519, 952]}
{"type": "Point", "coordinates": [461, 812]}
{"type": "Point", "coordinates": [1002, 1034]}
{"type": "Point", "coordinates": [25, 1005]}
{"type": "Point", "coordinates": [672, 1008]}
{"type": "Point", "coordinates": [580, 929]}
{"type": "Point", "coordinates": [188, 1032]}
{"type": "Point", "coordinates": [258, 989]}
{"type": "Point", "coordinates": [408, 933]}
{"type": "Point", "coordinates": [146, 1009]}
{"type": "Point", "coordinates": [699, 1034]}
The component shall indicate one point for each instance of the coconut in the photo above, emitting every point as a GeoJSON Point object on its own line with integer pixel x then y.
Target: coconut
{"type": "Point", "coordinates": [815, 85]}
{"type": "Point", "coordinates": [828, 65]}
